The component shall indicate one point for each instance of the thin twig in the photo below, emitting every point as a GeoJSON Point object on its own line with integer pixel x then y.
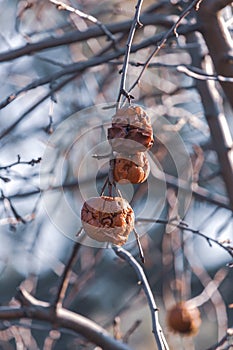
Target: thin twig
{"type": "Point", "coordinates": [131, 330]}
{"type": "Point", "coordinates": [19, 161]}
{"type": "Point", "coordinates": [157, 330]}
{"type": "Point", "coordinates": [136, 22]}
{"type": "Point", "coordinates": [173, 29]}
{"type": "Point", "coordinates": [182, 225]}
{"type": "Point", "coordinates": [66, 276]}
{"type": "Point", "coordinates": [62, 6]}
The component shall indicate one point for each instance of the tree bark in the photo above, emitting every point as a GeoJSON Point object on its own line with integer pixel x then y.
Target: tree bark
{"type": "Point", "coordinates": [218, 40]}
{"type": "Point", "coordinates": [216, 120]}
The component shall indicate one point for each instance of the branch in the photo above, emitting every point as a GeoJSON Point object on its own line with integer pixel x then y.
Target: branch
{"type": "Point", "coordinates": [77, 36]}
{"type": "Point", "coordinates": [81, 66]}
{"type": "Point", "coordinates": [66, 276]}
{"type": "Point", "coordinates": [199, 74]}
{"type": "Point", "coordinates": [172, 30]}
{"type": "Point", "coordinates": [219, 129]}
{"type": "Point", "coordinates": [62, 6]}
{"type": "Point", "coordinates": [19, 161]}
{"type": "Point", "coordinates": [135, 24]}
{"type": "Point", "coordinates": [182, 225]}
{"type": "Point", "coordinates": [35, 309]}
{"type": "Point", "coordinates": [157, 330]}
{"type": "Point", "coordinates": [53, 89]}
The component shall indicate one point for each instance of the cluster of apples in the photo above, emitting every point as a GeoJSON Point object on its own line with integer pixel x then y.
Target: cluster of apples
{"type": "Point", "coordinates": [131, 136]}
{"type": "Point", "coordinates": [111, 219]}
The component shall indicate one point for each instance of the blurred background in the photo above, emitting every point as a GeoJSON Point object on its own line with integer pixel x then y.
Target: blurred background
{"type": "Point", "coordinates": [60, 77]}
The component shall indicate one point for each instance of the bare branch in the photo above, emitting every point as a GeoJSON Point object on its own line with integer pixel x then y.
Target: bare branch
{"type": "Point", "coordinates": [77, 36]}
{"type": "Point", "coordinates": [79, 67]}
{"type": "Point", "coordinates": [19, 161]}
{"type": "Point", "coordinates": [216, 120]}
{"type": "Point", "coordinates": [136, 22]}
{"type": "Point", "coordinates": [218, 41]}
{"type": "Point", "coordinates": [53, 89]}
{"type": "Point", "coordinates": [196, 73]}
{"type": "Point", "coordinates": [172, 30]}
{"type": "Point", "coordinates": [35, 309]}
{"type": "Point", "coordinates": [131, 330]}
{"type": "Point", "coordinates": [157, 330]}
{"type": "Point", "coordinates": [182, 225]}
{"type": "Point", "coordinates": [66, 276]}
{"type": "Point", "coordinates": [62, 6]}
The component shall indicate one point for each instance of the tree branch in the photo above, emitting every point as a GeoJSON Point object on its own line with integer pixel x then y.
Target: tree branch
{"type": "Point", "coordinates": [135, 24]}
{"type": "Point", "coordinates": [19, 161]}
{"type": "Point", "coordinates": [219, 129]}
{"type": "Point", "coordinates": [172, 30]}
{"type": "Point", "coordinates": [218, 40]}
{"type": "Point", "coordinates": [66, 277]}
{"type": "Point", "coordinates": [182, 225]}
{"type": "Point", "coordinates": [81, 66]}
{"type": "Point", "coordinates": [35, 309]}
{"type": "Point", "coordinates": [199, 74]}
{"type": "Point", "coordinates": [77, 36]}
{"type": "Point", "coordinates": [157, 330]}
{"type": "Point", "coordinates": [62, 6]}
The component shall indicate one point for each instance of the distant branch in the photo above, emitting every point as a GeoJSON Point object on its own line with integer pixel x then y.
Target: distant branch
{"type": "Point", "coordinates": [78, 36]}
{"type": "Point", "coordinates": [200, 193]}
{"type": "Point", "coordinates": [224, 339]}
{"type": "Point", "coordinates": [81, 66]}
{"type": "Point", "coordinates": [172, 30]}
{"type": "Point", "coordinates": [199, 74]}
{"type": "Point", "coordinates": [218, 125]}
{"type": "Point", "coordinates": [62, 6]}
{"type": "Point", "coordinates": [66, 277]}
